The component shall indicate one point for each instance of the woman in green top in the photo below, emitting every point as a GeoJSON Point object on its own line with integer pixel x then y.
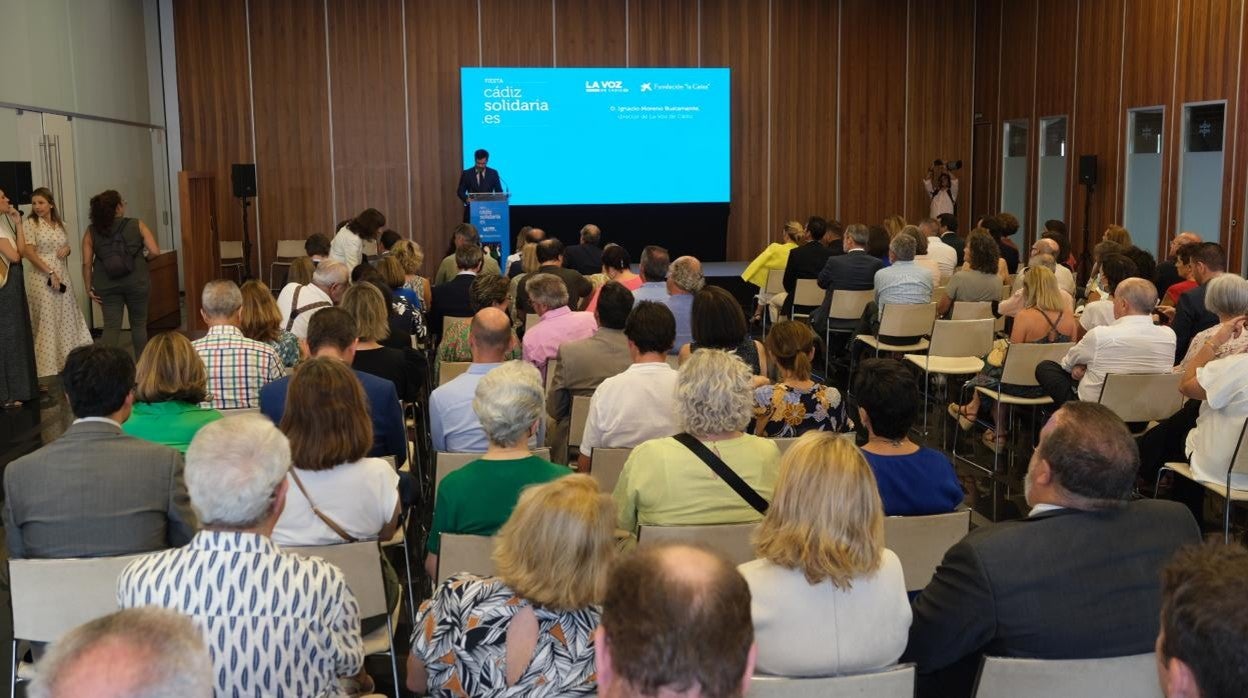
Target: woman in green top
{"type": "Point", "coordinates": [170, 383]}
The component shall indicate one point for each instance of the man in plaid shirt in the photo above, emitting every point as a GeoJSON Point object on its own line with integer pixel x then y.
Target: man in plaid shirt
{"type": "Point", "coordinates": [237, 366]}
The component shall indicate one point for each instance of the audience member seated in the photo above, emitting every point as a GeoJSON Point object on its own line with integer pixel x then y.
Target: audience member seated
{"type": "Point", "coordinates": [774, 257]}
{"type": "Point", "coordinates": [170, 386]}
{"type": "Point", "coordinates": [826, 596]}
{"type": "Point", "coordinates": [1095, 288]}
{"type": "Point", "coordinates": [616, 267]}
{"type": "Point", "coordinates": [945, 256]}
{"type": "Point", "coordinates": [684, 279]}
{"type": "Point", "coordinates": [95, 492]}
{"type": "Point", "coordinates": [1115, 269]}
{"type": "Point", "coordinates": [1045, 319]}
{"type": "Point", "coordinates": [675, 623]}
{"type": "Point", "coordinates": [1002, 228]}
{"type": "Point", "coordinates": [137, 652]}
{"type": "Point", "coordinates": [393, 274]}
{"type": "Point", "coordinates": [1017, 302]}
{"type": "Point", "coordinates": [913, 480]}
{"type": "Point", "coordinates": [331, 335]}
{"type": "Point", "coordinates": [805, 261]}
{"type": "Point", "coordinates": [479, 497]}
{"type": "Point", "coordinates": [1190, 316]}
{"type": "Point", "coordinates": [348, 243]}
{"type": "Point", "coordinates": [316, 247]}
{"type": "Point", "coordinates": [1133, 344]}
{"type": "Point", "coordinates": [1204, 620]}
{"type": "Point", "coordinates": [877, 243]}
{"type": "Point", "coordinates": [921, 257]}
{"type": "Point", "coordinates": [586, 258]}
{"type": "Point", "coordinates": [300, 271]}
{"type": "Point", "coordinates": [978, 282]}
{"type": "Point", "coordinates": [797, 403]}
{"type": "Point", "coordinates": [463, 234]}
{"type": "Point", "coordinates": [237, 366]}
{"type": "Point", "coordinates": [454, 425]}
{"type": "Point", "coordinates": [406, 322]}
{"type": "Point", "coordinates": [560, 324]}
{"type": "Point", "coordinates": [585, 363]}
{"type": "Point", "coordinates": [299, 302]}
{"type": "Point", "coordinates": [1183, 268]}
{"type": "Point", "coordinates": [716, 321]}
{"type": "Point", "coordinates": [231, 570]}
{"type": "Point", "coordinates": [411, 258]}
{"type": "Point", "coordinates": [528, 235]}
{"type": "Point", "coordinates": [1227, 298]}
{"type": "Point", "coordinates": [1056, 231]}
{"type": "Point", "coordinates": [640, 403]}
{"type": "Point", "coordinates": [486, 291]}
{"type": "Point", "coordinates": [365, 305]}
{"type": "Point", "coordinates": [852, 271]}
{"type": "Point", "coordinates": [528, 267]}
{"type": "Point", "coordinates": [949, 235]}
{"type": "Point", "coordinates": [667, 483]}
{"type": "Point", "coordinates": [261, 320]}
{"type": "Point", "coordinates": [654, 266]}
{"type": "Point", "coordinates": [900, 283]}
{"type": "Point", "coordinates": [550, 261]}
{"type": "Point", "coordinates": [451, 298]}
{"type": "Point", "coordinates": [528, 630]}
{"type": "Point", "coordinates": [1076, 579]}
{"type": "Point", "coordinates": [1047, 246]}
{"type": "Point", "coordinates": [1167, 269]}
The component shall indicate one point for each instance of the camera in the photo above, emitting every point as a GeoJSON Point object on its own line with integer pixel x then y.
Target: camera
{"type": "Point", "coordinates": [950, 165]}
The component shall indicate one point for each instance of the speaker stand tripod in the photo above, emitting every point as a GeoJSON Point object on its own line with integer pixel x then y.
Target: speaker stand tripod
{"type": "Point", "coordinates": [244, 202]}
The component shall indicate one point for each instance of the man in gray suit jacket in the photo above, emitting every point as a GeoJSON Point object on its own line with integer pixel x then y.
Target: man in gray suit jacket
{"type": "Point", "coordinates": [585, 363]}
{"type": "Point", "coordinates": [96, 492]}
{"type": "Point", "coordinates": [1077, 579]}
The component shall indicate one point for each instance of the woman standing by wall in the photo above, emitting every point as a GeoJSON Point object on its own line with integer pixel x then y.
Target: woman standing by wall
{"type": "Point", "coordinates": [114, 268]}
{"type": "Point", "coordinates": [17, 367]}
{"type": "Point", "coordinates": [54, 313]}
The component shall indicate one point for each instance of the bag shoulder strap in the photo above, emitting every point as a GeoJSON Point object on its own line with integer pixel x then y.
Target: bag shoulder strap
{"type": "Point", "coordinates": [333, 525]}
{"type": "Point", "coordinates": [295, 309]}
{"type": "Point", "coordinates": [754, 499]}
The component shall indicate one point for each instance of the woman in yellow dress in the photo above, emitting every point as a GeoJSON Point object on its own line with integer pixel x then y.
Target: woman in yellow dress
{"type": "Point", "coordinates": [774, 256]}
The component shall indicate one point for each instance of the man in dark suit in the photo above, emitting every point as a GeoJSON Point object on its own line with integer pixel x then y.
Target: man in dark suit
{"type": "Point", "coordinates": [585, 258]}
{"type": "Point", "coordinates": [806, 260]}
{"type": "Point", "coordinates": [450, 299]}
{"type": "Point", "coordinates": [1076, 579]}
{"type": "Point", "coordinates": [478, 179]}
{"type": "Point", "coordinates": [551, 257]}
{"type": "Point", "coordinates": [852, 271]}
{"type": "Point", "coordinates": [1191, 317]}
{"type": "Point", "coordinates": [949, 234]}
{"type": "Point", "coordinates": [96, 492]}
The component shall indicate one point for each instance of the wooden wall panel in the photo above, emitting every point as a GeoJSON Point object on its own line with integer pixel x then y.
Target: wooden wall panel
{"type": "Point", "coordinates": [517, 32]}
{"type": "Point", "coordinates": [1018, 58]}
{"type": "Point", "coordinates": [1095, 126]}
{"type": "Point", "coordinates": [803, 147]}
{"type": "Point", "coordinates": [214, 99]}
{"type": "Point", "coordinates": [370, 132]}
{"type": "Point", "coordinates": [985, 161]}
{"type": "Point", "coordinates": [736, 35]}
{"type": "Point", "coordinates": [873, 85]}
{"type": "Point", "coordinates": [1055, 68]}
{"type": "Point", "coordinates": [663, 33]}
{"type": "Point", "coordinates": [292, 121]}
{"type": "Point", "coordinates": [587, 33]}
{"type": "Point", "coordinates": [1149, 51]}
{"type": "Point", "coordinates": [441, 38]}
{"type": "Point", "coordinates": [1237, 194]}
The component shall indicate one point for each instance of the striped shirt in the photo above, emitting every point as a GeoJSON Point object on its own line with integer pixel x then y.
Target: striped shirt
{"type": "Point", "coordinates": [237, 367]}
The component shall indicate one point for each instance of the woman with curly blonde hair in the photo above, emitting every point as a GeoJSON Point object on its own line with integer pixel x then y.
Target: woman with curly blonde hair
{"type": "Point", "coordinates": [827, 596]}
{"type": "Point", "coordinates": [411, 257]}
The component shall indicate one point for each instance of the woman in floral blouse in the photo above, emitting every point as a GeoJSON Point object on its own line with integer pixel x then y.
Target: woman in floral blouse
{"type": "Point", "coordinates": [529, 630]}
{"type": "Point", "coordinates": [797, 404]}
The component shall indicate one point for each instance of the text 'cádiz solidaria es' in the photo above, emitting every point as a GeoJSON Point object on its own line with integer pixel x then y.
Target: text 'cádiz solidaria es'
{"type": "Point", "coordinates": [516, 105]}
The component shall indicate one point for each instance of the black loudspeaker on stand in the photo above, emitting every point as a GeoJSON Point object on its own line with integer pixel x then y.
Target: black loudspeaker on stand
{"type": "Point", "coordinates": [1087, 177]}
{"type": "Point", "coordinates": [243, 178]}
{"type": "Point", "coordinates": [15, 182]}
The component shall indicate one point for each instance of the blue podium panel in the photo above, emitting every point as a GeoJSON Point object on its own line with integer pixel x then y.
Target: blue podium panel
{"type": "Point", "coordinates": [490, 214]}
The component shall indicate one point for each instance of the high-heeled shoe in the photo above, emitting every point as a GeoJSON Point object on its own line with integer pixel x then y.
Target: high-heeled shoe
{"type": "Point", "coordinates": [965, 423]}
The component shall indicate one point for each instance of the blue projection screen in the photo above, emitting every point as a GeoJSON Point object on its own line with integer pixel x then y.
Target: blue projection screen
{"type": "Point", "coordinates": [601, 135]}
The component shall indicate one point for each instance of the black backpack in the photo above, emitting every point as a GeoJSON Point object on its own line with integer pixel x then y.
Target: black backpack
{"type": "Point", "coordinates": [113, 252]}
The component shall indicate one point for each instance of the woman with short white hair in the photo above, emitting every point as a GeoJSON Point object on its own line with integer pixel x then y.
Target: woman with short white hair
{"type": "Point", "coordinates": [676, 480]}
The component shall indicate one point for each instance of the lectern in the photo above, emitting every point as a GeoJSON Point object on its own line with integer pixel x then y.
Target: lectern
{"type": "Point", "coordinates": [490, 214]}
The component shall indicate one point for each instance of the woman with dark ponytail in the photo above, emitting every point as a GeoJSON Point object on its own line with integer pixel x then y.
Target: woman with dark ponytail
{"type": "Point", "coordinates": [348, 244]}
{"type": "Point", "coordinates": [797, 404]}
{"type": "Point", "coordinates": [114, 267]}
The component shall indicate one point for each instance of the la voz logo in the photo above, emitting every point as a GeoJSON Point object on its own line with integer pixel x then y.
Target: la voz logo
{"type": "Point", "coordinates": [605, 86]}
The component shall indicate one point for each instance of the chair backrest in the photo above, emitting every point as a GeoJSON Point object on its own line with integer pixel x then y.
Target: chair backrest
{"type": "Point", "coordinates": [807, 292]}
{"type": "Point", "coordinates": [907, 319]}
{"type": "Point", "coordinates": [450, 370]}
{"type": "Point", "coordinates": [1134, 676]}
{"type": "Point", "coordinates": [732, 540]}
{"type": "Point", "coordinates": [962, 337]}
{"type": "Point", "coordinates": [531, 319]}
{"type": "Point", "coordinates": [580, 413]}
{"type": "Point", "coordinates": [921, 541]}
{"type": "Point", "coordinates": [289, 249]}
{"type": "Point", "coordinates": [940, 293]}
{"type": "Point", "coordinates": [971, 310]}
{"type": "Point", "coordinates": [1239, 459]}
{"type": "Point", "coordinates": [448, 463]}
{"type": "Point", "coordinates": [1021, 361]}
{"type": "Point", "coordinates": [231, 249]}
{"type": "Point", "coordinates": [849, 305]}
{"type": "Point", "coordinates": [462, 553]}
{"type": "Point", "coordinates": [892, 682]}
{"type": "Point", "coordinates": [1007, 291]}
{"type": "Point", "coordinates": [1142, 397]}
{"type": "Point", "coordinates": [361, 565]}
{"type": "Point", "coordinates": [551, 366]}
{"type": "Point", "coordinates": [51, 597]}
{"type": "Point", "coordinates": [368, 248]}
{"type": "Point", "coordinates": [448, 319]}
{"type": "Point", "coordinates": [775, 281]}
{"type": "Point", "coordinates": [783, 442]}
{"type": "Point", "coordinates": [673, 360]}
{"type": "Point", "coordinates": [606, 465]}
{"type": "Point", "coordinates": [240, 410]}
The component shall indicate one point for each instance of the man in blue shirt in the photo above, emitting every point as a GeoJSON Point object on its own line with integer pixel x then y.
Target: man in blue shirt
{"type": "Point", "coordinates": [654, 264]}
{"type": "Point", "coordinates": [332, 333]}
{"type": "Point", "coordinates": [684, 278]}
{"type": "Point", "coordinates": [455, 425]}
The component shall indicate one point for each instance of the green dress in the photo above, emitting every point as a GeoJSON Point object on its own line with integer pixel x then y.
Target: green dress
{"type": "Point", "coordinates": [173, 424]}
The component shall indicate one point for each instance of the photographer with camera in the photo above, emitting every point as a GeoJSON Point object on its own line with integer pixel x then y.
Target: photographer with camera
{"type": "Point", "coordinates": [944, 193]}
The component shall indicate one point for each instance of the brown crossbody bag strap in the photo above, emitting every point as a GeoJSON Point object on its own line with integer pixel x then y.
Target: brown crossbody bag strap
{"type": "Point", "coordinates": [333, 525]}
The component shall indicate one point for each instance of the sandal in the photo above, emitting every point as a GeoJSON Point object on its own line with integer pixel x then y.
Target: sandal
{"type": "Point", "coordinates": [12, 405]}
{"type": "Point", "coordinates": [994, 441]}
{"type": "Point", "coordinates": [965, 421]}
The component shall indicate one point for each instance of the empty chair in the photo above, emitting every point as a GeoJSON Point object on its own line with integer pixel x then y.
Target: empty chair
{"type": "Point", "coordinates": [464, 553]}
{"type": "Point", "coordinates": [807, 294]}
{"type": "Point", "coordinates": [921, 541]}
{"type": "Point", "coordinates": [902, 320]}
{"type": "Point", "coordinates": [957, 348]}
{"type": "Point", "coordinates": [287, 252]}
{"type": "Point", "coordinates": [845, 307]}
{"type": "Point", "coordinates": [606, 465]}
{"type": "Point", "coordinates": [231, 254]}
{"type": "Point", "coordinates": [971, 310]}
{"type": "Point", "coordinates": [893, 682]}
{"type": "Point", "coordinates": [1007, 677]}
{"type": "Point", "coordinates": [732, 540]}
{"type": "Point", "coordinates": [580, 413]}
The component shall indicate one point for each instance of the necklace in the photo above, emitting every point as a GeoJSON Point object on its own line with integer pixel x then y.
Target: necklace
{"type": "Point", "coordinates": [895, 443]}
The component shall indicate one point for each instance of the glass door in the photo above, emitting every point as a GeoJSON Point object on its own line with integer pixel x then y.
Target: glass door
{"type": "Point", "coordinates": [1014, 173]}
{"type": "Point", "coordinates": [1201, 169]}
{"type": "Point", "coordinates": [1051, 173]}
{"type": "Point", "coordinates": [1141, 210]}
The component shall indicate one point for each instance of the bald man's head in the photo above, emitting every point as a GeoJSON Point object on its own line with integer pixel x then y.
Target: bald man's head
{"type": "Point", "coordinates": [1137, 297]}
{"type": "Point", "coordinates": [1045, 246]}
{"type": "Point", "coordinates": [489, 336]}
{"type": "Point", "coordinates": [1186, 237]}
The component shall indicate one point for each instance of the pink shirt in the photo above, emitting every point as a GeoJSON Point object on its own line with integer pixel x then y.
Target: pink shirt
{"type": "Point", "coordinates": [542, 341]}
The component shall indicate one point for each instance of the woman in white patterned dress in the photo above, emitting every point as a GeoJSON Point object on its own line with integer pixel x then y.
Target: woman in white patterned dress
{"type": "Point", "coordinates": [54, 313]}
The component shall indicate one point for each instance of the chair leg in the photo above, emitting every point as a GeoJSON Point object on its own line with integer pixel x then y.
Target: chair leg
{"type": "Point", "coordinates": [394, 662]}
{"type": "Point", "coordinates": [1226, 519]}
{"type": "Point", "coordinates": [13, 670]}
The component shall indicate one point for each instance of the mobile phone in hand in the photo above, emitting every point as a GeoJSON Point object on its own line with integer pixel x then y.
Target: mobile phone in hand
{"type": "Point", "coordinates": [61, 289]}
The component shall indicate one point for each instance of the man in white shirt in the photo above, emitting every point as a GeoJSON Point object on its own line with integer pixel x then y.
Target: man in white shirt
{"type": "Point", "coordinates": [1132, 344]}
{"type": "Point", "coordinates": [299, 302]}
{"type": "Point", "coordinates": [945, 256]}
{"type": "Point", "coordinates": [1045, 246]}
{"type": "Point", "coordinates": [640, 403]}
